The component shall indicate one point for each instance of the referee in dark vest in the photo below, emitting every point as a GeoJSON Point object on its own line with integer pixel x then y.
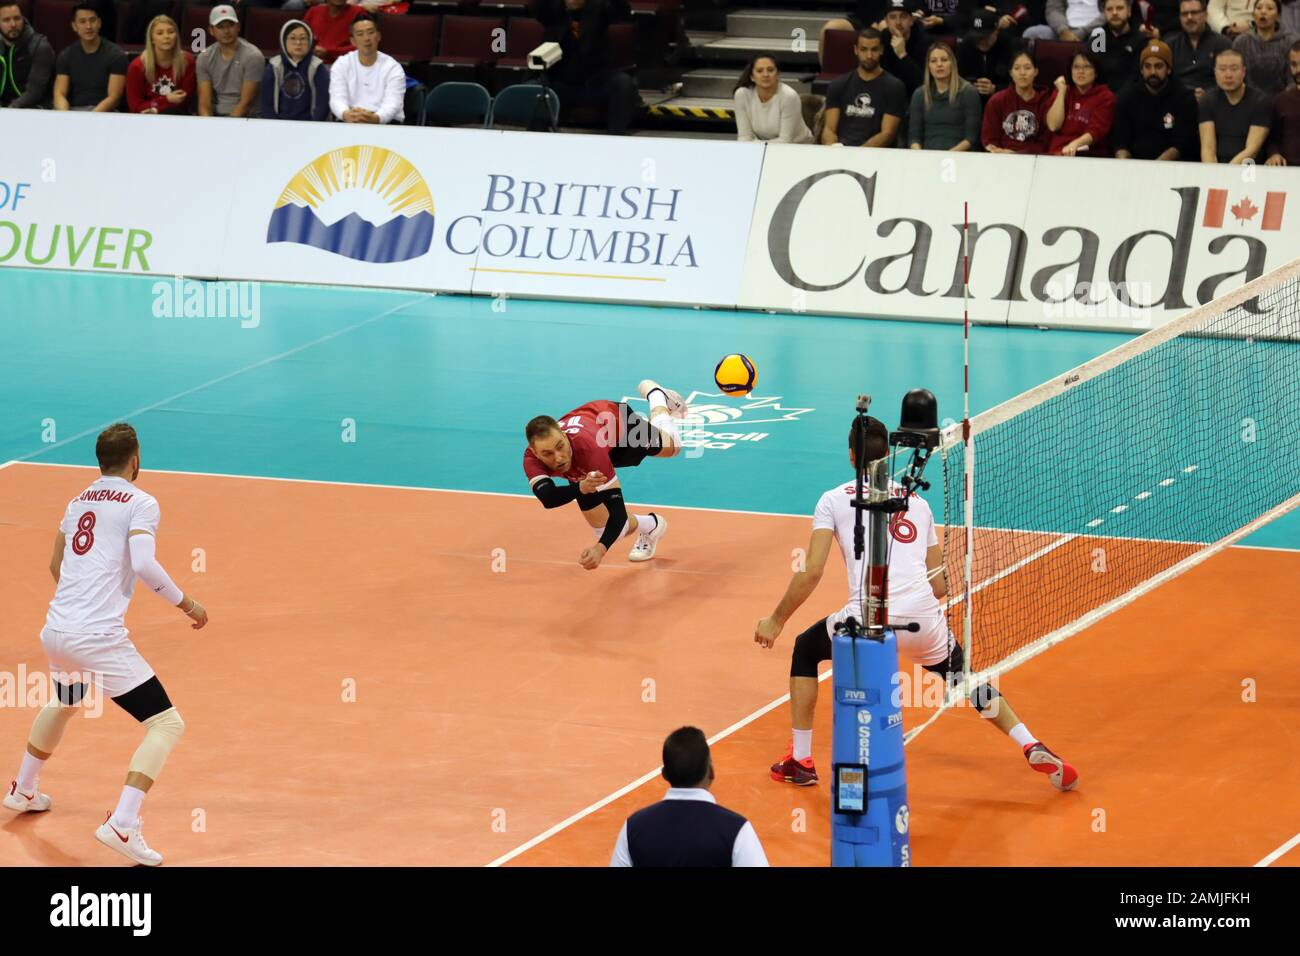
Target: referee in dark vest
{"type": "Point", "coordinates": [687, 827]}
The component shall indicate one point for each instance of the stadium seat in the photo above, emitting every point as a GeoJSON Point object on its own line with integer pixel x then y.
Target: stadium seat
{"type": "Point", "coordinates": [457, 104]}
{"type": "Point", "coordinates": [839, 56]}
{"type": "Point", "coordinates": [527, 106]}
{"type": "Point", "coordinates": [194, 17]}
{"type": "Point", "coordinates": [409, 38]}
{"type": "Point", "coordinates": [522, 36]}
{"type": "Point", "coordinates": [413, 105]}
{"type": "Point", "coordinates": [622, 46]}
{"type": "Point", "coordinates": [1053, 58]}
{"type": "Point", "coordinates": [261, 27]}
{"type": "Point", "coordinates": [466, 46]}
{"type": "Point", "coordinates": [54, 19]}
{"type": "Point", "coordinates": [514, 8]}
{"type": "Point", "coordinates": [127, 26]}
{"type": "Point", "coordinates": [419, 7]}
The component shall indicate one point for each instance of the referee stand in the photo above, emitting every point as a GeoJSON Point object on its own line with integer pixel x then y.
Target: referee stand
{"type": "Point", "coordinates": [870, 822]}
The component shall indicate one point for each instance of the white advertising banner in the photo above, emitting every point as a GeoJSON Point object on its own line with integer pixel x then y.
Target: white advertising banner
{"type": "Point", "coordinates": [1081, 243]}
{"type": "Point", "coordinates": [108, 193]}
{"type": "Point", "coordinates": [575, 217]}
{"type": "Point", "coordinates": [878, 232]}
{"type": "Point", "coordinates": [1134, 244]}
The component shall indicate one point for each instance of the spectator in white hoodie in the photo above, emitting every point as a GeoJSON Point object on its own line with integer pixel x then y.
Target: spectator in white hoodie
{"type": "Point", "coordinates": [367, 86]}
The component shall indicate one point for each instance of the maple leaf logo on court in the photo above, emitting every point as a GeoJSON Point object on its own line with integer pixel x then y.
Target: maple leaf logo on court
{"type": "Point", "coordinates": [707, 410]}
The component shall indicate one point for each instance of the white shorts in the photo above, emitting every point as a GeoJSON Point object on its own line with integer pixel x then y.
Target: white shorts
{"type": "Point", "coordinates": [108, 660]}
{"type": "Point", "coordinates": [930, 645]}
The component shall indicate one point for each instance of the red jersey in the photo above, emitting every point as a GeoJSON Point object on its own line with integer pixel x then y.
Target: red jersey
{"type": "Point", "coordinates": [593, 431]}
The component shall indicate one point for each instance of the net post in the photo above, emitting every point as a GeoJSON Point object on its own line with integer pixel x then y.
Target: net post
{"type": "Point", "coordinates": [968, 450]}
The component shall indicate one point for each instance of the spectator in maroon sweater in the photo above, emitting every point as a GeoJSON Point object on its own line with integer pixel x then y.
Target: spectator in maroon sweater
{"type": "Point", "coordinates": [1284, 149]}
{"type": "Point", "coordinates": [1015, 120]}
{"type": "Point", "coordinates": [162, 78]}
{"type": "Point", "coordinates": [331, 24]}
{"type": "Point", "coordinates": [1080, 113]}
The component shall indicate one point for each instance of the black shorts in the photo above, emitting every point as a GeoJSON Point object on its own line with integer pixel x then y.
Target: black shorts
{"type": "Point", "coordinates": [637, 441]}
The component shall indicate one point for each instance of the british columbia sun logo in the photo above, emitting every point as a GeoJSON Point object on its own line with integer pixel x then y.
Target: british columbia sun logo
{"type": "Point", "coordinates": [363, 202]}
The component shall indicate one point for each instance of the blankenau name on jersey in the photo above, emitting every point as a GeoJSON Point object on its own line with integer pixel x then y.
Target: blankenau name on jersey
{"type": "Point", "coordinates": [105, 494]}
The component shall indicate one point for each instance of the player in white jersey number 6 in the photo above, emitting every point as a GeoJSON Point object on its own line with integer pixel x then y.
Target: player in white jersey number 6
{"type": "Point", "coordinates": [105, 541]}
{"type": "Point", "coordinates": [914, 595]}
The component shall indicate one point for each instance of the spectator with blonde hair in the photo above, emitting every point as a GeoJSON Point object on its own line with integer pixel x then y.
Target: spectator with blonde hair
{"type": "Point", "coordinates": [162, 78]}
{"type": "Point", "coordinates": [1264, 48]}
{"type": "Point", "coordinates": [945, 111]}
{"type": "Point", "coordinates": [768, 110]}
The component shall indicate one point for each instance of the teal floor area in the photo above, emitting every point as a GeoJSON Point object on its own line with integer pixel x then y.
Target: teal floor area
{"type": "Point", "coordinates": [435, 390]}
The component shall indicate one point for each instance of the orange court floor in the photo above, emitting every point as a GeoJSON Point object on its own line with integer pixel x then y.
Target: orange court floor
{"type": "Point", "coordinates": [406, 676]}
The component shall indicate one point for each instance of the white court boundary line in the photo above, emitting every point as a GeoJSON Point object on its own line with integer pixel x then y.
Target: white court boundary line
{"type": "Point", "coordinates": [639, 781]}
{"type": "Point", "coordinates": [639, 504]}
{"type": "Point", "coordinates": [1281, 851]}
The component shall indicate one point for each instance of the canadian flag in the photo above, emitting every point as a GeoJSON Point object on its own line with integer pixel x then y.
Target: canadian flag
{"type": "Point", "coordinates": [1243, 210]}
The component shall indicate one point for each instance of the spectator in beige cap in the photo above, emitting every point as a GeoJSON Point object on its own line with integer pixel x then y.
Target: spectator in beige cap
{"type": "Point", "coordinates": [1156, 117]}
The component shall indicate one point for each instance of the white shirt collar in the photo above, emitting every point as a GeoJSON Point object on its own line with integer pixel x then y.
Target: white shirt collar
{"type": "Point", "coordinates": [689, 793]}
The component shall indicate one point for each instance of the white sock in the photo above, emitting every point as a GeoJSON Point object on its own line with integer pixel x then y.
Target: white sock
{"type": "Point", "coordinates": [128, 807]}
{"type": "Point", "coordinates": [646, 523]}
{"type": "Point", "coordinates": [802, 744]}
{"type": "Point", "coordinates": [29, 772]}
{"type": "Point", "coordinates": [652, 402]}
{"type": "Point", "coordinates": [1021, 735]}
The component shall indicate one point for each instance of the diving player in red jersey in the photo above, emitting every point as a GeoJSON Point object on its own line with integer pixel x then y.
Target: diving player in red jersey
{"type": "Point", "coordinates": [585, 446]}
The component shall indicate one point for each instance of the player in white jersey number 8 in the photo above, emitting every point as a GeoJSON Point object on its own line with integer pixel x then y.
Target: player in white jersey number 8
{"type": "Point", "coordinates": [916, 586]}
{"type": "Point", "coordinates": [105, 541]}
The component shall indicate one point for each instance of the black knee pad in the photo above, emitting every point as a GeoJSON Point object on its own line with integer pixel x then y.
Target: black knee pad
{"type": "Point", "coordinates": [810, 648]}
{"type": "Point", "coordinates": [144, 701]}
{"type": "Point", "coordinates": [70, 695]}
{"type": "Point", "coordinates": [984, 696]}
{"type": "Point", "coordinates": [951, 667]}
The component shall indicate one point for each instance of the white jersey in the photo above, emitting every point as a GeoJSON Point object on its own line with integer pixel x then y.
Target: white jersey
{"type": "Point", "coordinates": [911, 534]}
{"type": "Point", "coordinates": [96, 580]}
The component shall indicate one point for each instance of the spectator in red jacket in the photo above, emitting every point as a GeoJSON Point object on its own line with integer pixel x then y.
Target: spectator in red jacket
{"type": "Point", "coordinates": [1015, 120]}
{"type": "Point", "coordinates": [162, 78]}
{"type": "Point", "coordinates": [331, 24]}
{"type": "Point", "coordinates": [1080, 113]}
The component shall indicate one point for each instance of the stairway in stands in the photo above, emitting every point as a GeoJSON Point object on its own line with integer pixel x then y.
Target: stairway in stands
{"type": "Point", "coordinates": [716, 58]}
